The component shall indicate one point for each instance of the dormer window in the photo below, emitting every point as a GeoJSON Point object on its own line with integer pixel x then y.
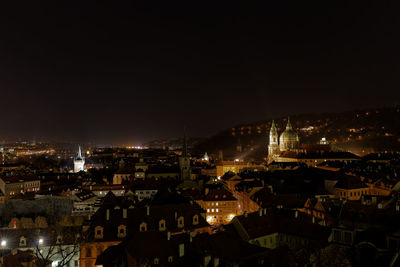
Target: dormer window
{"type": "Point", "coordinates": [143, 227]}
{"type": "Point", "coordinates": [121, 231]}
{"type": "Point", "coordinates": [22, 241]}
{"type": "Point", "coordinates": [195, 219]}
{"type": "Point", "coordinates": [180, 222]}
{"type": "Point", "coordinates": [98, 232]}
{"type": "Point", "coordinates": [161, 225]}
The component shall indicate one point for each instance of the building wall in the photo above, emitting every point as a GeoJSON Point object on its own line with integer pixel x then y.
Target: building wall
{"type": "Point", "coordinates": [351, 194]}
{"type": "Point", "coordinates": [90, 251]}
{"type": "Point", "coordinates": [270, 241]}
{"type": "Point", "coordinates": [220, 212]}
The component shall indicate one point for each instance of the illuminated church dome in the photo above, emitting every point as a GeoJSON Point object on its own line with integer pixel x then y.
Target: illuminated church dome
{"type": "Point", "coordinates": [289, 139]}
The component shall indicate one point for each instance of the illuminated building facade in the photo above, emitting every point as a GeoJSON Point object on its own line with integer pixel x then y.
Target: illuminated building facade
{"type": "Point", "coordinates": [288, 141]}
{"type": "Point", "coordinates": [221, 206]}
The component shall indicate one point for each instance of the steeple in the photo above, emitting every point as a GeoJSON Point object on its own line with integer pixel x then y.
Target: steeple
{"type": "Point", "coordinates": [184, 149]}
{"type": "Point", "coordinates": [184, 160]}
{"type": "Point", "coordinates": [273, 134]}
{"type": "Point", "coordinates": [79, 153]}
{"type": "Point", "coordinates": [273, 147]}
{"type": "Point", "coordinates": [79, 161]}
{"type": "Point", "coordinates": [289, 125]}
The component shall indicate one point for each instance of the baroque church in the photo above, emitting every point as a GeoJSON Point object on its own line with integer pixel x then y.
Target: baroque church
{"type": "Point", "coordinates": [288, 141]}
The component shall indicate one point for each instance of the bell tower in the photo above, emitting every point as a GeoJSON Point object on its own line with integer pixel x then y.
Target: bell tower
{"type": "Point", "coordinates": [184, 161]}
{"type": "Point", "coordinates": [273, 147]}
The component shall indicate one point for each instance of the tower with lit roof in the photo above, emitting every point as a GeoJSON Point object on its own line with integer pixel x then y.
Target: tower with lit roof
{"type": "Point", "coordinates": [79, 161]}
{"type": "Point", "coordinates": [273, 147]}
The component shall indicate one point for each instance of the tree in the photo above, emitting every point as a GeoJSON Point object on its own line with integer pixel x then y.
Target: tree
{"type": "Point", "coordinates": [60, 246]}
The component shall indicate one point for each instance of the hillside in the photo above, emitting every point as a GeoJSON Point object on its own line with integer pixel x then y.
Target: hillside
{"type": "Point", "coordinates": [358, 131]}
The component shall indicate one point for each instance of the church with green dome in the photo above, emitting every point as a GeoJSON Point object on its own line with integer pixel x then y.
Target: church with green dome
{"type": "Point", "coordinates": [288, 141]}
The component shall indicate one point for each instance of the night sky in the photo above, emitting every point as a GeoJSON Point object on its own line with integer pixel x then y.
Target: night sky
{"type": "Point", "coordinates": [119, 72]}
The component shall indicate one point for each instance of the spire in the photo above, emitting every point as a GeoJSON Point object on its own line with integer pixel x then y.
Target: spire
{"type": "Point", "coordinates": [184, 152]}
{"type": "Point", "coordinates": [79, 152]}
{"type": "Point", "coordinates": [273, 127]}
{"type": "Point", "coordinates": [289, 125]}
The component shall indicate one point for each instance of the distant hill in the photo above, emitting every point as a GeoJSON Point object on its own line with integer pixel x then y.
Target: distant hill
{"type": "Point", "coordinates": [358, 131]}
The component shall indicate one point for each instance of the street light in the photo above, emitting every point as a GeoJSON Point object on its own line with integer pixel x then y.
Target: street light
{"type": "Point", "coordinates": [3, 243]}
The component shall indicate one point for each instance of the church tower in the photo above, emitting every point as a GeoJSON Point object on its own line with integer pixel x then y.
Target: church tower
{"type": "Point", "coordinates": [79, 162]}
{"type": "Point", "coordinates": [273, 147]}
{"type": "Point", "coordinates": [184, 161]}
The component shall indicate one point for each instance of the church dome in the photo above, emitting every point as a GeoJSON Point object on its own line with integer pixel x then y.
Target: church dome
{"type": "Point", "coordinates": [289, 139]}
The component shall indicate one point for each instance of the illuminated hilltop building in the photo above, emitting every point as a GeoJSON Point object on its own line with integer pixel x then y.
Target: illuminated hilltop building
{"type": "Point", "coordinates": [288, 141]}
{"type": "Point", "coordinates": [79, 162]}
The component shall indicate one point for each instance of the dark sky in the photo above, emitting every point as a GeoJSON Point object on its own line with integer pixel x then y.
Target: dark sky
{"type": "Point", "coordinates": [120, 72]}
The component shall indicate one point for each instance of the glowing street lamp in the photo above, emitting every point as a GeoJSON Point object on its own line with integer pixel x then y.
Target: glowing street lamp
{"type": "Point", "coordinates": [3, 243]}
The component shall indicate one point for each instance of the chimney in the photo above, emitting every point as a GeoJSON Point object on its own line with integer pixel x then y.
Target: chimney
{"type": "Point", "coordinates": [108, 214]}
{"type": "Point", "coordinates": [148, 210]}
{"type": "Point", "coordinates": [181, 250]}
{"type": "Point", "coordinates": [168, 235]}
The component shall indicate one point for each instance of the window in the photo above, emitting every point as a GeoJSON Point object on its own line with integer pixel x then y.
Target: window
{"type": "Point", "coordinates": [195, 219]}
{"type": "Point", "coordinates": [156, 261]}
{"type": "Point", "coordinates": [121, 231]}
{"type": "Point", "coordinates": [170, 259]}
{"type": "Point", "coordinates": [161, 225]}
{"type": "Point", "coordinates": [180, 222]}
{"type": "Point", "coordinates": [98, 232]}
{"type": "Point", "coordinates": [22, 242]}
{"type": "Point", "coordinates": [143, 227]}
